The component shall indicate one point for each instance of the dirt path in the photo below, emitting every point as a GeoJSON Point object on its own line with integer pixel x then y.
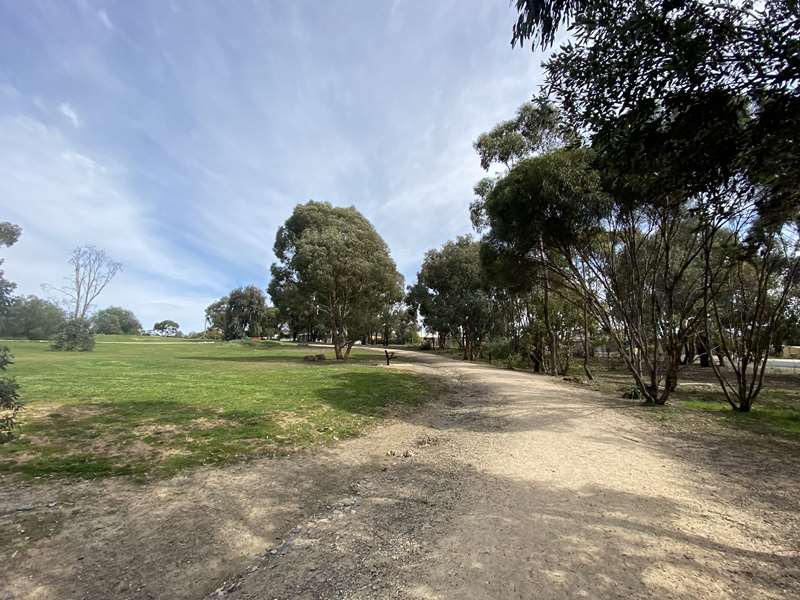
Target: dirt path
{"type": "Point", "coordinates": [513, 486]}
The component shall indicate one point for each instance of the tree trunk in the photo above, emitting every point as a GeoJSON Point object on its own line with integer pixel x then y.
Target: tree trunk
{"type": "Point", "coordinates": [586, 368]}
{"type": "Point", "coordinates": [547, 325]}
{"type": "Point", "coordinates": [705, 358]}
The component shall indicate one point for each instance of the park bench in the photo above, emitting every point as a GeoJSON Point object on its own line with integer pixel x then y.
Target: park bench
{"type": "Point", "coordinates": [389, 357]}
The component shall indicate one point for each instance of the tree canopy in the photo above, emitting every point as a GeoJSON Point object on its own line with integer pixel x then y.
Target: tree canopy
{"type": "Point", "coordinates": [115, 320]}
{"type": "Point", "coordinates": [31, 318]}
{"type": "Point", "coordinates": [243, 313]}
{"type": "Point", "coordinates": [451, 294]}
{"type": "Point", "coordinates": [334, 260]}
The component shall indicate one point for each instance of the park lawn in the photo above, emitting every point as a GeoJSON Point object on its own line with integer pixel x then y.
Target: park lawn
{"type": "Point", "coordinates": [151, 407]}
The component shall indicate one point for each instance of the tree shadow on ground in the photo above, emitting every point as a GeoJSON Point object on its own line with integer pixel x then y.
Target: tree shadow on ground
{"type": "Point", "coordinates": [422, 527]}
{"type": "Point", "coordinates": [516, 536]}
{"type": "Point", "coordinates": [298, 360]}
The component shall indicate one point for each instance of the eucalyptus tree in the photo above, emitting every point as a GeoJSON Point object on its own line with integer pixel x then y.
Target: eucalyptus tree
{"type": "Point", "coordinates": [747, 309]}
{"type": "Point", "coordinates": [535, 128]}
{"type": "Point", "coordinates": [296, 312]}
{"type": "Point", "coordinates": [452, 295]}
{"type": "Point", "coordinates": [618, 261]}
{"type": "Point", "coordinates": [333, 258]}
{"type": "Point", "coordinates": [167, 327]}
{"type": "Point", "coordinates": [692, 148]}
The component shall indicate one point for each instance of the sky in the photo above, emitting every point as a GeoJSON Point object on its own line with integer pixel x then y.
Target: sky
{"type": "Point", "coordinates": [178, 136]}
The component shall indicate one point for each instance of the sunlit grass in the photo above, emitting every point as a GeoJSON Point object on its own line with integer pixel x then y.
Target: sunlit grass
{"type": "Point", "coordinates": [151, 407]}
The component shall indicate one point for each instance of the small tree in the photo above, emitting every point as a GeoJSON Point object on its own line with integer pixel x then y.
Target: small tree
{"type": "Point", "coordinates": [452, 295]}
{"type": "Point", "coordinates": [10, 404]}
{"type": "Point", "coordinates": [744, 312]}
{"type": "Point", "coordinates": [242, 313]}
{"type": "Point", "coordinates": [75, 335]}
{"type": "Point", "coordinates": [167, 327]}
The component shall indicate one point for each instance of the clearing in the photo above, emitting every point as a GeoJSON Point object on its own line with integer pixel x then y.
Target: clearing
{"type": "Point", "coordinates": [510, 486]}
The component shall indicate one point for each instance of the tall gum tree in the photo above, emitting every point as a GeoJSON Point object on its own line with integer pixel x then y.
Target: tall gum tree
{"type": "Point", "coordinates": [335, 260]}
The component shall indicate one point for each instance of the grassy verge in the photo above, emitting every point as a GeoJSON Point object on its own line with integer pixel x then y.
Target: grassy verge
{"type": "Point", "coordinates": [148, 408]}
{"type": "Point", "coordinates": [698, 401]}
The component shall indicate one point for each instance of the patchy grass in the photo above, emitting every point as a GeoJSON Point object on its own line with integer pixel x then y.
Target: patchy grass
{"type": "Point", "coordinates": [151, 407]}
{"type": "Point", "coordinates": [698, 401]}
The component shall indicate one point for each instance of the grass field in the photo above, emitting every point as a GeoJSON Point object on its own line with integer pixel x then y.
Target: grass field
{"type": "Point", "coordinates": [149, 408]}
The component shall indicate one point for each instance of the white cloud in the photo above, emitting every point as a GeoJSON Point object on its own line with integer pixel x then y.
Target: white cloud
{"type": "Point", "coordinates": [105, 20]}
{"type": "Point", "coordinates": [66, 109]}
{"type": "Point", "coordinates": [62, 198]}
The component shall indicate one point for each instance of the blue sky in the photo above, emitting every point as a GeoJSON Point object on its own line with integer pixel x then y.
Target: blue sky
{"type": "Point", "coordinates": [179, 135]}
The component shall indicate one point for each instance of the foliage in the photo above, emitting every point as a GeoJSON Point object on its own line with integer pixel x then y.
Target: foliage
{"type": "Point", "coordinates": [115, 320]}
{"type": "Point", "coordinates": [74, 335]}
{"type": "Point", "coordinates": [688, 151]}
{"type": "Point", "coordinates": [333, 259]}
{"type": "Point", "coordinates": [154, 409]}
{"type": "Point", "coordinates": [167, 327]}
{"type": "Point", "coordinates": [296, 312]}
{"type": "Point", "coordinates": [31, 318]}
{"type": "Point", "coordinates": [747, 306]}
{"type": "Point", "coordinates": [10, 403]}
{"type": "Point", "coordinates": [788, 325]}
{"type": "Point", "coordinates": [535, 128]}
{"type": "Point", "coordinates": [452, 296]}
{"type": "Point", "coordinates": [243, 313]}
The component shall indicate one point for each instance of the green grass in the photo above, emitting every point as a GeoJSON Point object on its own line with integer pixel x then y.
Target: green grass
{"type": "Point", "coordinates": [776, 411]}
{"type": "Point", "coordinates": [149, 407]}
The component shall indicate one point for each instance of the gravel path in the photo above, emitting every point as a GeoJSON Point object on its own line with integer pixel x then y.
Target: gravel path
{"type": "Point", "coordinates": [511, 486]}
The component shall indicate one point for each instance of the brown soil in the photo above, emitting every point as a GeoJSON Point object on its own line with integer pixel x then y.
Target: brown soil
{"type": "Point", "coordinates": [512, 486]}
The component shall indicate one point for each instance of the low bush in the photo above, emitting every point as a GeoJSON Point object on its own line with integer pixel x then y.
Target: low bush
{"type": "Point", "coordinates": [76, 334]}
{"type": "Point", "coordinates": [10, 404]}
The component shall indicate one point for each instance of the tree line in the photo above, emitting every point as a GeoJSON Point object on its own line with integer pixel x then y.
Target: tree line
{"type": "Point", "coordinates": [648, 195]}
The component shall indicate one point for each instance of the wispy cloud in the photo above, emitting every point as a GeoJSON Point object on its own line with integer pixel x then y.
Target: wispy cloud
{"type": "Point", "coordinates": [63, 198]}
{"type": "Point", "coordinates": [105, 20]}
{"type": "Point", "coordinates": [66, 109]}
{"type": "Point", "coordinates": [212, 122]}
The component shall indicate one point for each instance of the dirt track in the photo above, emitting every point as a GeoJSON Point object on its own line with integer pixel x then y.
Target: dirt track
{"type": "Point", "coordinates": [513, 486]}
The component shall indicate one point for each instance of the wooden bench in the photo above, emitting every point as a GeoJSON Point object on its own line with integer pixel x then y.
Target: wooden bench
{"type": "Point", "coordinates": [389, 357]}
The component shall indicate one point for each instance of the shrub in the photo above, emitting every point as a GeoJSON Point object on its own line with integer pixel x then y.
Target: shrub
{"type": "Point", "coordinates": [498, 349]}
{"type": "Point", "coordinates": [10, 404]}
{"type": "Point", "coordinates": [75, 335]}
{"type": "Point", "coordinates": [633, 394]}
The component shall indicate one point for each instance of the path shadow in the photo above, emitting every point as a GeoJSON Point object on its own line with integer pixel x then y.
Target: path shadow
{"type": "Point", "coordinates": [470, 534]}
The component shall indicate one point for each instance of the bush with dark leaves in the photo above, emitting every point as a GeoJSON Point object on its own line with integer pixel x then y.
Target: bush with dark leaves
{"type": "Point", "coordinates": [76, 334]}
